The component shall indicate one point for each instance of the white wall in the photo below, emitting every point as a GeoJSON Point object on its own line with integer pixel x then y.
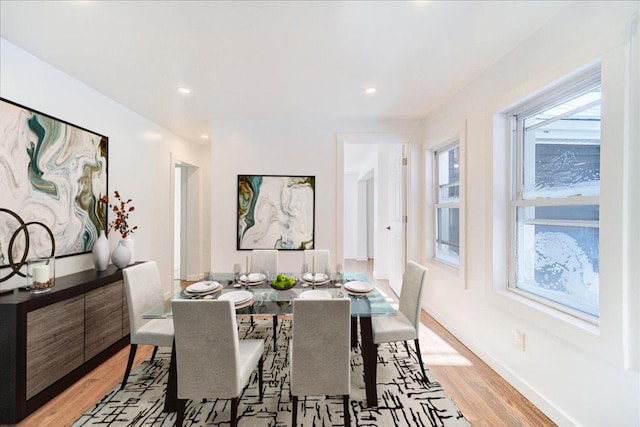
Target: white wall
{"type": "Point", "coordinates": [283, 147]}
{"type": "Point", "coordinates": [139, 155]}
{"type": "Point", "coordinates": [576, 373]}
{"type": "Point", "coordinates": [350, 215]}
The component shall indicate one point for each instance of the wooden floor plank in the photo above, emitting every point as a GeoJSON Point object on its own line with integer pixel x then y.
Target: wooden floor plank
{"type": "Point", "coordinates": [67, 407]}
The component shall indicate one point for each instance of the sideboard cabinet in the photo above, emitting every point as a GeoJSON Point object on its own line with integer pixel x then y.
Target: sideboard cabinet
{"type": "Point", "coordinates": [49, 341]}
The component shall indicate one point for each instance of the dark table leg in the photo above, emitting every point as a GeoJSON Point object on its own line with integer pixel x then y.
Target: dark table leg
{"type": "Point", "coordinates": [354, 332]}
{"type": "Point", "coordinates": [275, 332]}
{"type": "Point", "coordinates": [171, 396]}
{"type": "Point", "coordinates": [369, 359]}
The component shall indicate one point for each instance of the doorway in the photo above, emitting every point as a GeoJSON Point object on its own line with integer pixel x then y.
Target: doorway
{"type": "Point", "coordinates": [374, 205]}
{"type": "Point", "coordinates": [185, 181]}
{"type": "Point", "coordinates": [179, 205]}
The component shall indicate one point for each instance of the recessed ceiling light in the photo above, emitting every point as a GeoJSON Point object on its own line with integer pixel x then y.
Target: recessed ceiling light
{"type": "Point", "coordinates": [371, 90]}
{"type": "Point", "coordinates": [184, 90]}
{"type": "Point", "coordinates": [204, 136]}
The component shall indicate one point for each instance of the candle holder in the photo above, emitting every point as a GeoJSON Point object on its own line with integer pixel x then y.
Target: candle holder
{"type": "Point", "coordinates": [41, 273]}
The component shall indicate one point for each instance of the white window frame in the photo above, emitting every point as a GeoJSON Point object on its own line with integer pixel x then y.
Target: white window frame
{"type": "Point", "coordinates": [587, 80]}
{"type": "Point", "coordinates": [456, 142]}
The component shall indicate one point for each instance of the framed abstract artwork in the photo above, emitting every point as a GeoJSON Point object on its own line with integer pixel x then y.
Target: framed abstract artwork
{"type": "Point", "coordinates": [276, 212]}
{"type": "Point", "coordinates": [51, 173]}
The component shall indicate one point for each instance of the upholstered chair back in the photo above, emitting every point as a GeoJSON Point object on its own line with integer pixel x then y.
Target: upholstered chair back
{"type": "Point", "coordinates": [321, 257]}
{"type": "Point", "coordinates": [207, 349]}
{"type": "Point", "coordinates": [144, 291]}
{"type": "Point", "coordinates": [413, 283]}
{"type": "Point", "coordinates": [263, 260]}
{"type": "Point", "coordinates": [321, 347]}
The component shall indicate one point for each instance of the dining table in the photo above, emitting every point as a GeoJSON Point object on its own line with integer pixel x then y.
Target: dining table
{"type": "Point", "coordinates": [367, 301]}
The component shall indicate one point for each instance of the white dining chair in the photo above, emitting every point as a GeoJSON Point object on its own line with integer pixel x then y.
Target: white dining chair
{"type": "Point", "coordinates": [211, 361]}
{"type": "Point", "coordinates": [264, 261]}
{"type": "Point", "coordinates": [320, 351]}
{"type": "Point", "coordinates": [321, 258]}
{"type": "Point", "coordinates": [144, 291]}
{"type": "Point", "coordinates": [405, 324]}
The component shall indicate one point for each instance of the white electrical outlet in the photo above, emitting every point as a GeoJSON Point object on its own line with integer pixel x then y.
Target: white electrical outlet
{"type": "Point", "coordinates": [519, 339]}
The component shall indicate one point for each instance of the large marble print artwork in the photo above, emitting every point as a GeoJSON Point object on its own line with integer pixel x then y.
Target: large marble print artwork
{"type": "Point", "coordinates": [50, 172]}
{"type": "Point", "coordinates": [276, 212]}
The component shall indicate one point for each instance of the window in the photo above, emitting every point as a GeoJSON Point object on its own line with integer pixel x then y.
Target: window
{"type": "Point", "coordinates": [555, 197]}
{"type": "Point", "coordinates": [447, 204]}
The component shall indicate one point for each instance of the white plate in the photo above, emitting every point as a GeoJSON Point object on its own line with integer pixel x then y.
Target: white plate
{"type": "Point", "coordinates": [253, 278]}
{"type": "Point", "coordinates": [201, 294]}
{"type": "Point", "coordinates": [358, 286]}
{"type": "Point", "coordinates": [206, 286]}
{"type": "Point", "coordinates": [315, 294]}
{"type": "Point", "coordinates": [320, 277]}
{"type": "Point", "coordinates": [238, 297]}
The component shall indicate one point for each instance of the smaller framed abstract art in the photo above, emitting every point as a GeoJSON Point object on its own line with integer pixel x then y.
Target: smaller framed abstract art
{"type": "Point", "coordinates": [276, 212]}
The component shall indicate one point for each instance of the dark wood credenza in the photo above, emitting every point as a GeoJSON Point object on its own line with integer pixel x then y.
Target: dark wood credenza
{"type": "Point", "coordinates": [49, 341]}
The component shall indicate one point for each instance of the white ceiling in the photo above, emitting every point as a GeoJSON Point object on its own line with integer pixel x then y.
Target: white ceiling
{"type": "Point", "coordinates": [272, 60]}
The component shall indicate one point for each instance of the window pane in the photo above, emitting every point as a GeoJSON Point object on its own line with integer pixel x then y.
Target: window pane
{"type": "Point", "coordinates": [449, 175]}
{"type": "Point", "coordinates": [581, 213]}
{"type": "Point", "coordinates": [559, 262]}
{"type": "Point", "coordinates": [448, 235]}
{"type": "Point", "coordinates": [561, 151]}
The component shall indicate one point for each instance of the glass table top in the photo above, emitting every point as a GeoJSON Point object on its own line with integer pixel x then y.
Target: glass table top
{"type": "Point", "coordinates": [269, 301]}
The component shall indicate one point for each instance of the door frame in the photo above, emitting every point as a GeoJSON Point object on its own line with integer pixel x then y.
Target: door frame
{"type": "Point", "coordinates": [190, 219]}
{"type": "Point", "coordinates": [370, 138]}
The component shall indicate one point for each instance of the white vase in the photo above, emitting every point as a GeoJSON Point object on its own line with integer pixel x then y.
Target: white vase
{"type": "Point", "coordinates": [100, 252]}
{"type": "Point", "coordinates": [121, 255]}
{"type": "Point", "coordinates": [130, 244]}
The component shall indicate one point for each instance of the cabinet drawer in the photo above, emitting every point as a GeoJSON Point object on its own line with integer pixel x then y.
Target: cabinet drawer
{"type": "Point", "coordinates": [103, 318]}
{"type": "Point", "coordinates": [55, 343]}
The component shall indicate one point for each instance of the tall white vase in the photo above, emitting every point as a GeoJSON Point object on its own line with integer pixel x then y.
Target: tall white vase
{"type": "Point", "coordinates": [100, 252]}
{"type": "Point", "coordinates": [121, 255]}
{"type": "Point", "coordinates": [130, 244]}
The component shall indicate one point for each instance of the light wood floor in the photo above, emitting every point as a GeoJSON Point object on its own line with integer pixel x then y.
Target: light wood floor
{"type": "Point", "coordinates": [482, 395]}
{"type": "Point", "coordinates": [67, 407]}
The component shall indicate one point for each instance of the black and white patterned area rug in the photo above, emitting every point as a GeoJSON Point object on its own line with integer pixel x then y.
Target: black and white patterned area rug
{"type": "Point", "coordinates": [404, 398]}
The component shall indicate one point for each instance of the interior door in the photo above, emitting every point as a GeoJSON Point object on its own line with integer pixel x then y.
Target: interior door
{"type": "Point", "coordinates": [177, 223]}
{"type": "Point", "coordinates": [397, 165]}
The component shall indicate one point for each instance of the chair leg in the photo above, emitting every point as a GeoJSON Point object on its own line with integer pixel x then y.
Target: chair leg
{"type": "Point", "coordinates": [406, 346]}
{"type": "Point", "coordinates": [260, 363]}
{"type": "Point", "coordinates": [424, 374]}
{"type": "Point", "coordinates": [132, 356]}
{"type": "Point", "coordinates": [347, 416]}
{"type": "Point", "coordinates": [155, 350]}
{"type": "Point", "coordinates": [234, 411]}
{"type": "Point", "coordinates": [180, 412]}
{"type": "Point", "coordinates": [294, 408]}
